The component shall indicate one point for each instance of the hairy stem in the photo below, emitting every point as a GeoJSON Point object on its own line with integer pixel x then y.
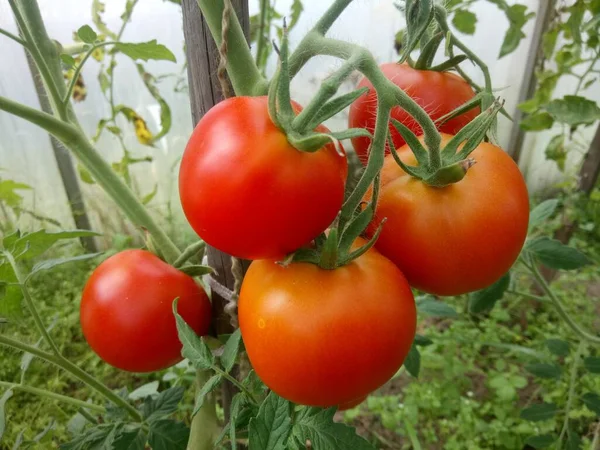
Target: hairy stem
{"type": "Point", "coordinates": [571, 395]}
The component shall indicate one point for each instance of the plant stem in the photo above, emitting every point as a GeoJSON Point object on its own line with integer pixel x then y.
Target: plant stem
{"type": "Point", "coordinates": [260, 42]}
{"type": "Point", "coordinates": [245, 77]}
{"type": "Point", "coordinates": [189, 252]}
{"type": "Point", "coordinates": [61, 398]}
{"type": "Point", "coordinates": [204, 428]}
{"type": "Point", "coordinates": [77, 372]}
{"type": "Point", "coordinates": [586, 73]}
{"type": "Point", "coordinates": [527, 295]}
{"type": "Point", "coordinates": [571, 395]}
{"type": "Point", "coordinates": [17, 39]}
{"type": "Point", "coordinates": [235, 382]}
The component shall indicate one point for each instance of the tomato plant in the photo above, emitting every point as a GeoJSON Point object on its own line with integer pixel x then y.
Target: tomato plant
{"type": "Point", "coordinates": [126, 311]}
{"type": "Point", "coordinates": [246, 191]}
{"type": "Point", "coordinates": [458, 238]}
{"type": "Point", "coordinates": [359, 338]}
{"type": "Point", "coordinates": [439, 93]}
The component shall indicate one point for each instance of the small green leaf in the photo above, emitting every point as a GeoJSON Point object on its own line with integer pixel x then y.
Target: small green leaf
{"type": "Point", "coordinates": [146, 390]}
{"type": "Point", "coordinates": [32, 245]}
{"type": "Point", "coordinates": [146, 50]}
{"type": "Point", "coordinates": [51, 263]}
{"type": "Point", "coordinates": [196, 270]}
{"type": "Point", "coordinates": [231, 350]}
{"type": "Point", "coordinates": [558, 347]}
{"type": "Point", "coordinates": [542, 212]}
{"type": "Point", "coordinates": [10, 301]}
{"type": "Point", "coordinates": [163, 405]}
{"type": "Point", "coordinates": [412, 363]}
{"type": "Point", "coordinates": [87, 35]}
{"type": "Point", "coordinates": [67, 60]}
{"type": "Point", "coordinates": [296, 9]}
{"type": "Point", "coordinates": [194, 348]}
{"type": "Point", "coordinates": [592, 364]}
{"type": "Point", "coordinates": [544, 370]}
{"type": "Point", "coordinates": [85, 175]}
{"type": "Point", "coordinates": [574, 110]}
{"type": "Point", "coordinates": [539, 412]}
{"type": "Point", "coordinates": [464, 21]}
{"type": "Point", "coordinates": [429, 306]}
{"type": "Point", "coordinates": [592, 401]}
{"type": "Point", "coordinates": [537, 122]}
{"type": "Point", "coordinates": [270, 429]}
{"type": "Point", "coordinates": [511, 41]}
{"type": "Point", "coordinates": [555, 151]}
{"type": "Point", "coordinates": [549, 42]}
{"type": "Point", "coordinates": [8, 394]}
{"type": "Point", "coordinates": [485, 299]}
{"type": "Point", "coordinates": [206, 389]}
{"type": "Point", "coordinates": [148, 197]}
{"type": "Point", "coordinates": [422, 341]}
{"type": "Point", "coordinates": [555, 254]}
{"type": "Point", "coordinates": [168, 435]}
{"type": "Point", "coordinates": [541, 441]}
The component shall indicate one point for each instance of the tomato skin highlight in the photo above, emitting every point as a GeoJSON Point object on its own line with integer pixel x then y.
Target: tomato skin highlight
{"type": "Point", "coordinates": [126, 311]}
{"type": "Point", "coordinates": [246, 191]}
{"type": "Point", "coordinates": [437, 92]}
{"type": "Point", "coordinates": [326, 337]}
{"type": "Point", "coordinates": [459, 238]}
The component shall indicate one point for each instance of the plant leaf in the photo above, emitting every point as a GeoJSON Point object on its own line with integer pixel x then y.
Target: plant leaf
{"type": "Point", "coordinates": [555, 254]}
{"type": "Point", "coordinates": [194, 348]}
{"type": "Point", "coordinates": [146, 390]}
{"type": "Point", "coordinates": [163, 405]}
{"type": "Point", "coordinates": [270, 429]}
{"type": "Point", "coordinates": [412, 363]}
{"type": "Point", "coordinates": [541, 441]}
{"type": "Point", "coordinates": [539, 412]}
{"type": "Point", "coordinates": [231, 350]}
{"type": "Point", "coordinates": [592, 364]}
{"type": "Point", "coordinates": [431, 307]}
{"type": "Point", "coordinates": [485, 299]}
{"type": "Point", "coordinates": [31, 245]}
{"type": "Point", "coordinates": [206, 389]}
{"type": "Point", "coordinates": [146, 50]}
{"type": "Point", "coordinates": [592, 401]}
{"type": "Point", "coordinates": [87, 34]}
{"type": "Point", "coordinates": [544, 370]}
{"type": "Point", "coordinates": [537, 121]}
{"type": "Point", "coordinates": [51, 263]}
{"type": "Point", "coordinates": [574, 110]}
{"type": "Point", "coordinates": [464, 21]}
{"type": "Point", "coordinates": [168, 435]}
{"type": "Point", "coordinates": [558, 347]}
{"type": "Point", "coordinates": [542, 212]}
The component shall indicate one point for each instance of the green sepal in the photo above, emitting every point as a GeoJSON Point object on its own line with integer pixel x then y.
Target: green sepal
{"type": "Point", "coordinates": [412, 141]}
{"type": "Point", "coordinates": [450, 174]}
{"type": "Point", "coordinates": [449, 64]}
{"type": "Point", "coordinates": [465, 107]}
{"type": "Point", "coordinates": [333, 107]}
{"type": "Point", "coordinates": [415, 171]}
{"type": "Point", "coordinates": [418, 17]}
{"type": "Point", "coordinates": [329, 252]}
{"type": "Point", "coordinates": [365, 248]}
{"type": "Point", "coordinates": [429, 50]}
{"type": "Point", "coordinates": [309, 255]}
{"type": "Point", "coordinates": [313, 142]}
{"type": "Point", "coordinates": [283, 89]}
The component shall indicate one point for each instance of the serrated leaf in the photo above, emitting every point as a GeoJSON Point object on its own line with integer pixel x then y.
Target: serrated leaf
{"type": "Point", "coordinates": [270, 429]}
{"type": "Point", "coordinates": [7, 395]}
{"type": "Point", "coordinates": [99, 437]}
{"type": "Point", "coordinates": [52, 263]}
{"type": "Point", "coordinates": [574, 110]}
{"type": "Point", "coordinates": [485, 299]}
{"type": "Point", "coordinates": [32, 245]}
{"type": "Point", "coordinates": [317, 425]}
{"type": "Point", "coordinates": [165, 404]}
{"type": "Point", "coordinates": [206, 389]}
{"type": "Point", "coordinates": [541, 441]}
{"type": "Point", "coordinates": [537, 121]}
{"type": "Point", "coordinates": [146, 390]}
{"type": "Point", "coordinates": [558, 347]}
{"type": "Point", "coordinates": [431, 307]}
{"type": "Point", "coordinates": [412, 363]}
{"type": "Point", "coordinates": [8, 192]}
{"type": "Point", "coordinates": [544, 370]}
{"type": "Point", "coordinates": [196, 270]}
{"type": "Point", "coordinates": [464, 21]}
{"type": "Point", "coordinates": [556, 255]}
{"type": "Point", "coordinates": [133, 438]}
{"type": "Point", "coordinates": [10, 301]}
{"type": "Point", "coordinates": [592, 401]}
{"type": "Point", "coordinates": [87, 34]}
{"type": "Point", "coordinates": [146, 51]}
{"type": "Point", "coordinates": [592, 364]}
{"type": "Point", "coordinates": [539, 412]}
{"type": "Point", "coordinates": [168, 435]}
{"type": "Point", "coordinates": [194, 348]}
{"type": "Point", "coordinates": [542, 212]}
{"type": "Point", "coordinates": [231, 350]}
{"type": "Point", "coordinates": [422, 341]}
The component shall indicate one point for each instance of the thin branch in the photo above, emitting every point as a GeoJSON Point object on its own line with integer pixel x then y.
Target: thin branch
{"type": "Point", "coordinates": [17, 39]}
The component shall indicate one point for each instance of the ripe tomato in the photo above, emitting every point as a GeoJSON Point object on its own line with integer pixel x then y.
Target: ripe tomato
{"type": "Point", "coordinates": [459, 238]}
{"type": "Point", "coordinates": [246, 191]}
{"type": "Point", "coordinates": [126, 311]}
{"type": "Point", "coordinates": [437, 92]}
{"type": "Point", "coordinates": [326, 337]}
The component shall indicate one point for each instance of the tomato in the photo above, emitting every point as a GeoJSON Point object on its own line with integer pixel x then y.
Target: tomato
{"type": "Point", "coordinates": [126, 311]}
{"type": "Point", "coordinates": [437, 92]}
{"type": "Point", "coordinates": [326, 337]}
{"type": "Point", "coordinates": [246, 191]}
{"type": "Point", "coordinates": [459, 238]}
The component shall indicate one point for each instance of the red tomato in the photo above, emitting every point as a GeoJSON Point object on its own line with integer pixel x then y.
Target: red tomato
{"type": "Point", "coordinates": [326, 337]}
{"type": "Point", "coordinates": [459, 238]}
{"type": "Point", "coordinates": [246, 191]}
{"type": "Point", "coordinates": [437, 92]}
{"type": "Point", "coordinates": [126, 311]}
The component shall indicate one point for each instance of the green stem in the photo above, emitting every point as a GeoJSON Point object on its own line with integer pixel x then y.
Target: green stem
{"type": "Point", "coordinates": [235, 382]}
{"type": "Point", "coordinates": [571, 395]}
{"type": "Point", "coordinates": [77, 372]}
{"type": "Point", "coordinates": [61, 398]}
{"type": "Point", "coordinates": [527, 295]}
{"type": "Point", "coordinates": [30, 304]}
{"type": "Point", "coordinates": [78, 143]}
{"type": "Point", "coordinates": [586, 73]}
{"type": "Point", "coordinates": [204, 428]}
{"type": "Point", "coordinates": [17, 39]}
{"type": "Point", "coordinates": [261, 30]}
{"type": "Point", "coordinates": [245, 77]}
{"type": "Point", "coordinates": [188, 253]}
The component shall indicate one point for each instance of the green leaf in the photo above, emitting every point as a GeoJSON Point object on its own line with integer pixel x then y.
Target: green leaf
{"type": "Point", "coordinates": [544, 370]}
{"type": "Point", "coordinates": [85, 174]}
{"type": "Point", "coordinates": [573, 440]}
{"type": "Point", "coordinates": [539, 412]}
{"type": "Point", "coordinates": [431, 307]}
{"type": "Point", "coordinates": [558, 347]}
{"type": "Point", "coordinates": [317, 425]}
{"type": "Point", "coordinates": [132, 438]}
{"type": "Point", "coordinates": [8, 394]}
{"type": "Point", "coordinates": [163, 405]}
{"type": "Point", "coordinates": [146, 50]}
{"type": "Point", "coordinates": [574, 110]}
{"type": "Point", "coordinates": [412, 363]}
{"type": "Point", "coordinates": [194, 348]}
{"type": "Point", "coordinates": [542, 212]}
{"type": "Point", "coordinates": [270, 429]}
{"type": "Point", "coordinates": [168, 435]}
{"type": "Point", "coordinates": [555, 151]}
{"type": "Point", "coordinates": [592, 401]}
{"type": "Point", "coordinates": [206, 389]}
{"type": "Point", "coordinates": [104, 82]}
{"type": "Point", "coordinates": [592, 364]}
{"type": "Point", "coordinates": [422, 341]}
{"type": "Point", "coordinates": [99, 437]}
{"type": "Point", "coordinates": [148, 197]}
{"type": "Point", "coordinates": [165, 110]}
{"type": "Point", "coordinates": [196, 270]}
{"type": "Point", "coordinates": [8, 194]}
{"type": "Point", "coordinates": [485, 299]}
{"type": "Point", "coordinates": [146, 390]}
{"type": "Point", "coordinates": [296, 10]}
{"type": "Point", "coordinates": [537, 122]}
{"type": "Point", "coordinates": [87, 35]}
{"type": "Point", "coordinates": [555, 254]}
{"type": "Point", "coordinates": [541, 441]}
{"type": "Point", "coordinates": [32, 245]}
{"type": "Point", "coordinates": [10, 301]}
{"type": "Point", "coordinates": [231, 350]}
{"type": "Point", "coordinates": [549, 42]}
{"type": "Point", "coordinates": [464, 21]}
{"type": "Point", "coordinates": [67, 60]}
{"type": "Point", "coordinates": [511, 41]}
{"type": "Point", "coordinates": [51, 263]}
